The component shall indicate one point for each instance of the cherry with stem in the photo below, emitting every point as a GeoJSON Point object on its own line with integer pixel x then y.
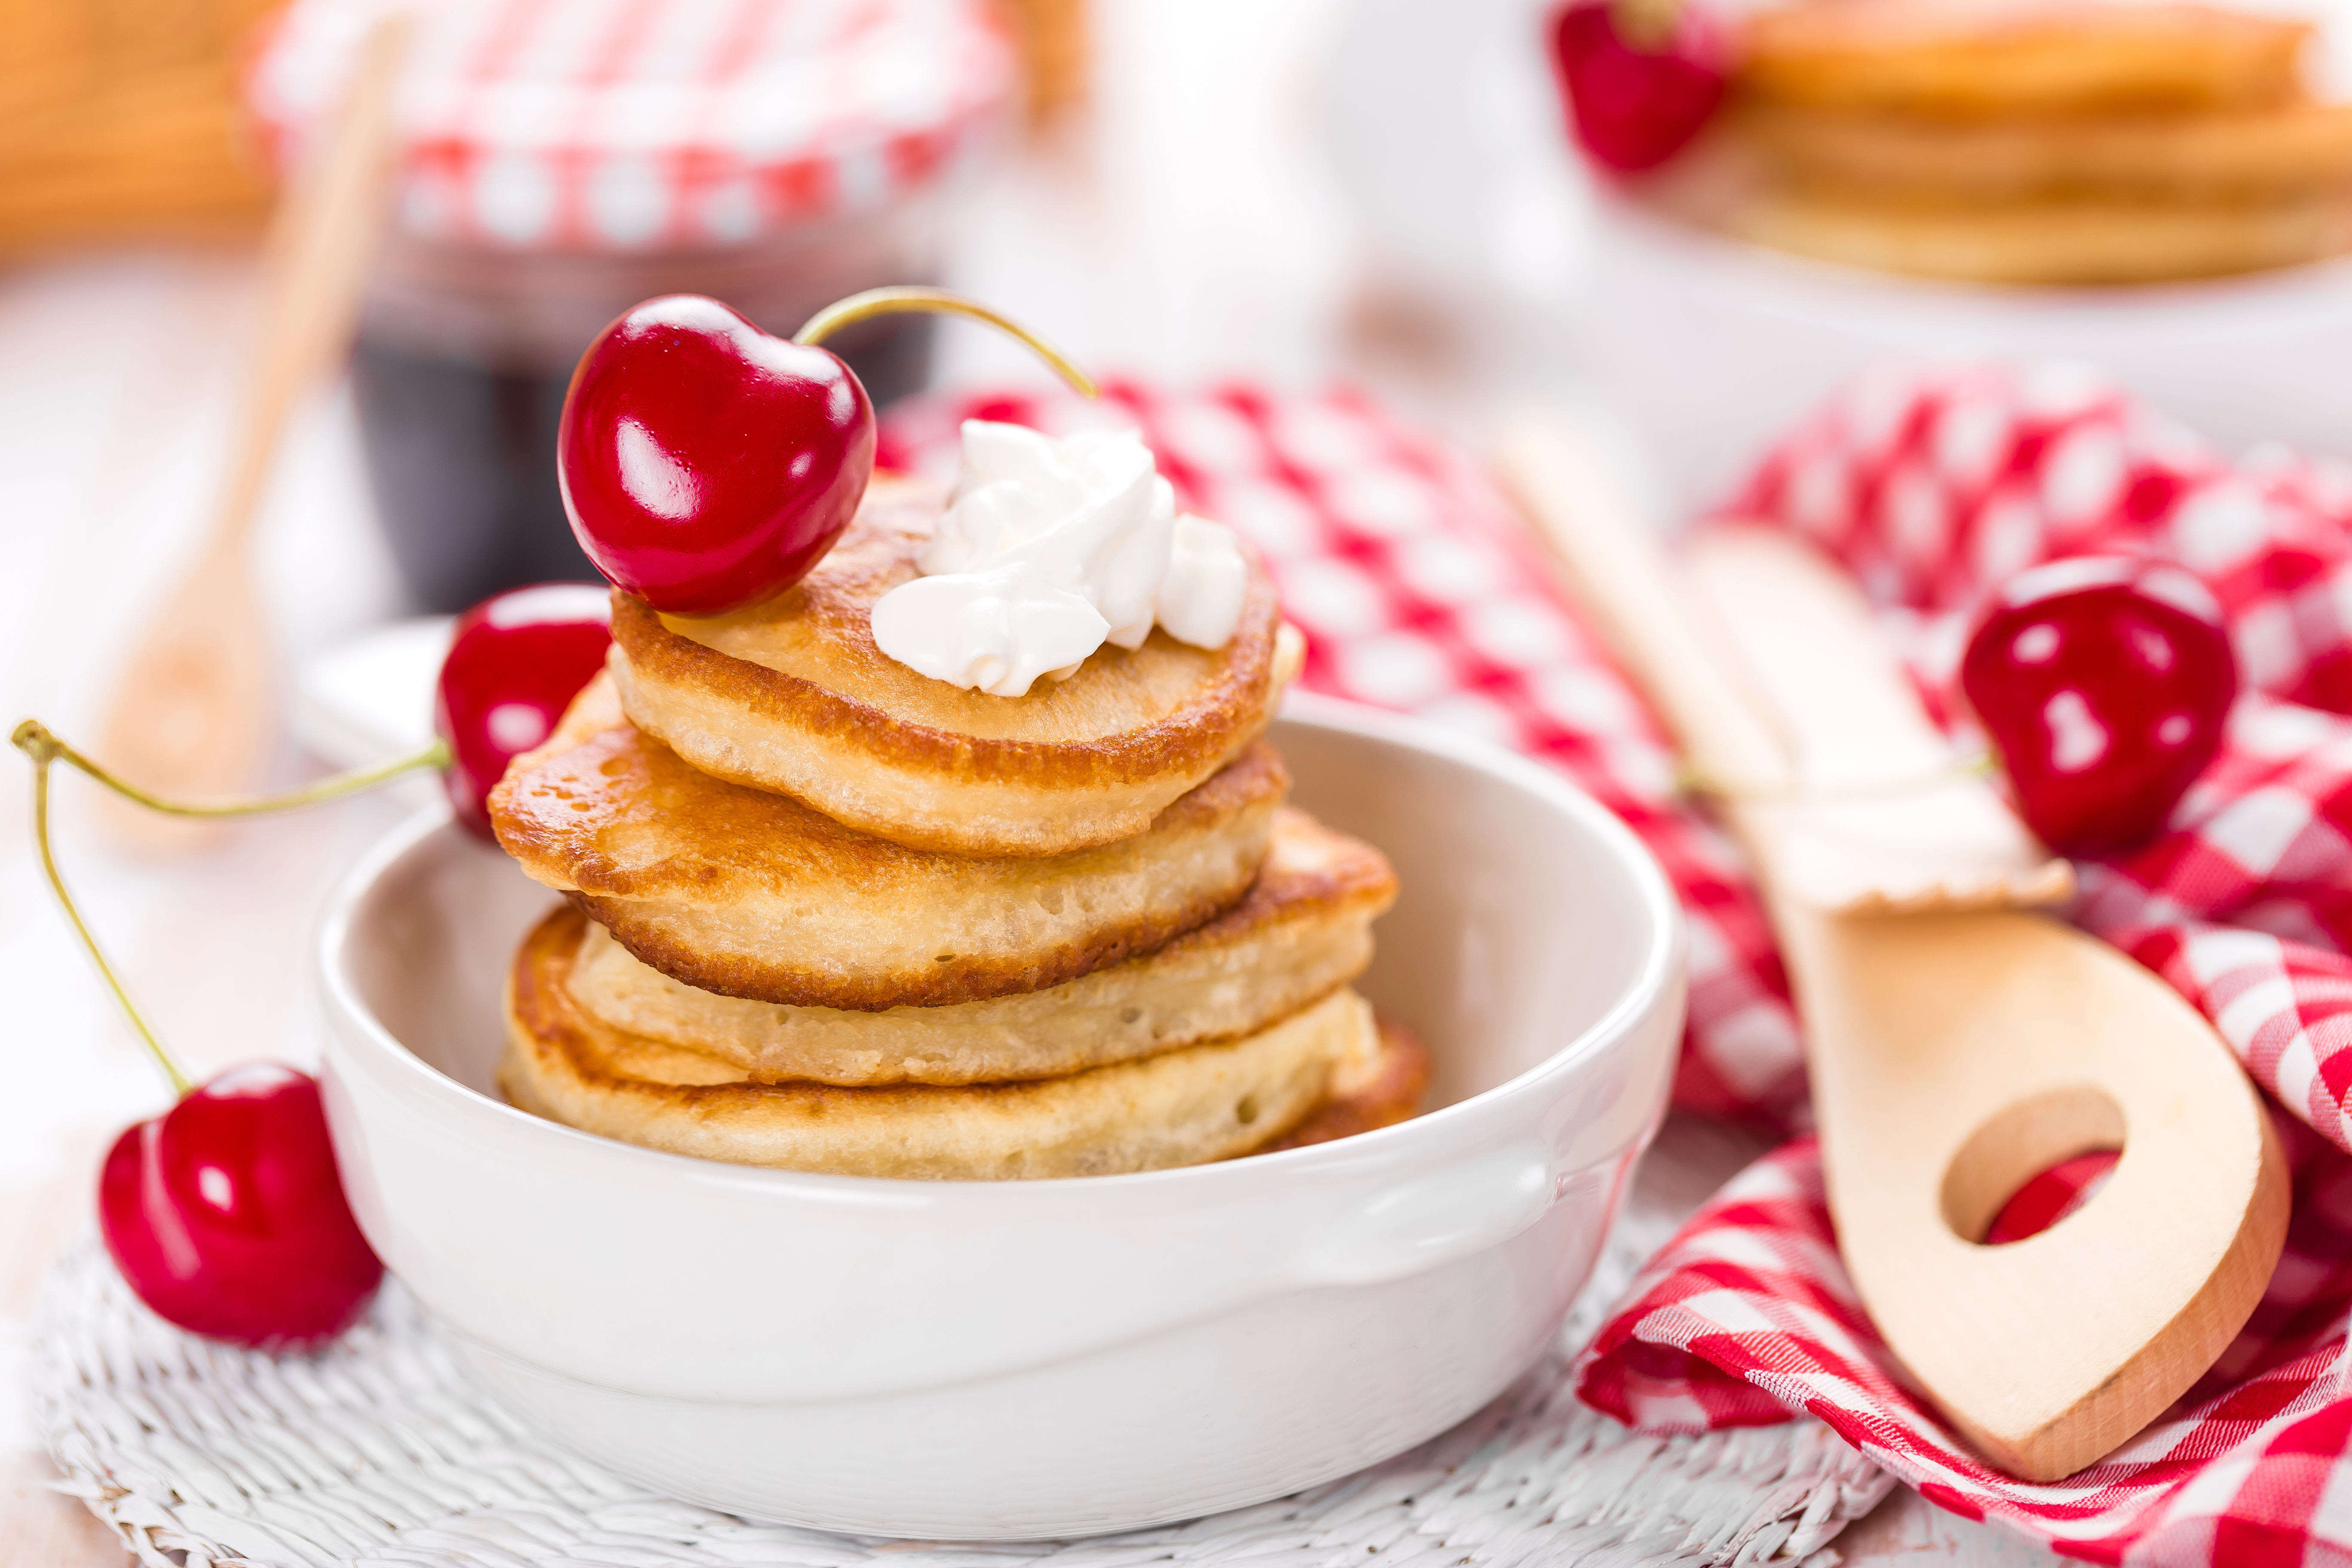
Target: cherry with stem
{"type": "Point", "coordinates": [225, 1214]}
{"type": "Point", "coordinates": [707, 466]}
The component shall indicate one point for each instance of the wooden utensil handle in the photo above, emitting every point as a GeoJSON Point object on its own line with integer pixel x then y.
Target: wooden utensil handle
{"type": "Point", "coordinates": [191, 706]}
{"type": "Point", "coordinates": [320, 247]}
{"type": "Point", "coordinates": [1628, 592]}
{"type": "Point", "coordinates": [1889, 815]}
{"type": "Point", "coordinates": [1783, 699]}
{"type": "Point", "coordinates": [1810, 645]}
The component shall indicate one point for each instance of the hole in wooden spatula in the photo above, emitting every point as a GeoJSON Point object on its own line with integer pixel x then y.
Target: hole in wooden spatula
{"type": "Point", "coordinates": [2047, 1198]}
{"type": "Point", "coordinates": [2031, 1164]}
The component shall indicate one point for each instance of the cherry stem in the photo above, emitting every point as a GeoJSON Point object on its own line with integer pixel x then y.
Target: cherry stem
{"type": "Point", "coordinates": [34, 738]}
{"type": "Point", "coordinates": [1690, 780]}
{"type": "Point", "coordinates": [42, 758]}
{"type": "Point", "coordinates": [937, 302]}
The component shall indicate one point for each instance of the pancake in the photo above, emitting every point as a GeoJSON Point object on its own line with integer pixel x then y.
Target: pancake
{"type": "Point", "coordinates": [1181, 1108]}
{"type": "Point", "coordinates": [2059, 241]}
{"type": "Point", "coordinates": [1999, 57]}
{"type": "Point", "coordinates": [1366, 1093]}
{"type": "Point", "coordinates": [793, 696]}
{"type": "Point", "coordinates": [754, 895]}
{"type": "Point", "coordinates": [2297, 148]}
{"type": "Point", "coordinates": [1304, 930]}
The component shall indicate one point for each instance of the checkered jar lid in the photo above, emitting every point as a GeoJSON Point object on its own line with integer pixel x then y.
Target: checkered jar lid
{"type": "Point", "coordinates": [645, 125]}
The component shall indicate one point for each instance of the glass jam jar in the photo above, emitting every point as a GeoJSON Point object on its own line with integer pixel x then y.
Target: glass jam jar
{"type": "Point", "coordinates": [561, 160]}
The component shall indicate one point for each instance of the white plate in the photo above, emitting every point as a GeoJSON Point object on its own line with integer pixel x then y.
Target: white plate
{"type": "Point", "coordinates": [1712, 349]}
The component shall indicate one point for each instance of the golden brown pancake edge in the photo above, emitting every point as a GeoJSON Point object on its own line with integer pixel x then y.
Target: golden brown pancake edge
{"type": "Point", "coordinates": [1964, 58]}
{"type": "Point", "coordinates": [751, 894]}
{"type": "Point", "coordinates": [1302, 930]}
{"type": "Point", "coordinates": [1186, 1107]}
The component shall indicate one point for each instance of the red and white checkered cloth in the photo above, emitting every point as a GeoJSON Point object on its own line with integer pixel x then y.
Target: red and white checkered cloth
{"type": "Point", "coordinates": [629, 125]}
{"type": "Point", "coordinates": [1416, 591]}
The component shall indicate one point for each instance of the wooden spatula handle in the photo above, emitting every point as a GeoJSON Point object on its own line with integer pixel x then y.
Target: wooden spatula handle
{"type": "Point", "coordinates": [1798, 623]}
{"type": "Point", "coordinates": [1863, 809]}
{"type": "Point", "coordinates": [1628, 592]}
{"type": "Point", "coordinates": [1889, 816]}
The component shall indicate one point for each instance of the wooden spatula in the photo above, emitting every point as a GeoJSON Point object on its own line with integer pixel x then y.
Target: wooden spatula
{"type": "Point", "coordinates": [1953, 1053]}
{"type": "Point", "coordinates": [192, 711]}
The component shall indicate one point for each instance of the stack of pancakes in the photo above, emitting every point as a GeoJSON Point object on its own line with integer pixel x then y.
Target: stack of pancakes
{"type": "Point", "coordinates": [2056, 142]}
{"type": "Point", "coordinates": [831, 914]}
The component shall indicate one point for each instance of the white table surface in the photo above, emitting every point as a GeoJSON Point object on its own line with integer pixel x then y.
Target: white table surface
{"type": "Point", "coordinates": [1191, 230]}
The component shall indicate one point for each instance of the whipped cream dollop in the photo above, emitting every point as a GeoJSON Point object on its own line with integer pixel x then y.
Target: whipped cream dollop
{"type": "Point", "coordinates": [1050, 549]}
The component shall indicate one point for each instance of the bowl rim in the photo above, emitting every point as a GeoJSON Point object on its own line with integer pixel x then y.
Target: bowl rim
{"type": "Point", "coordinates": [1660, 971]}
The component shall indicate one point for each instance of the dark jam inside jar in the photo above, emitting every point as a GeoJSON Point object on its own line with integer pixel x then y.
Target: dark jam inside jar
{"type": "Point", "coordinates": [461, 456]}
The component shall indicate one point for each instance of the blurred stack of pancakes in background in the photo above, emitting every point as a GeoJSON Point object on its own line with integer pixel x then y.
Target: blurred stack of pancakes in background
{"type": "Point", "coordinates": [2030, 141]}
{"type": "Point", "coordinates": [831, 914]}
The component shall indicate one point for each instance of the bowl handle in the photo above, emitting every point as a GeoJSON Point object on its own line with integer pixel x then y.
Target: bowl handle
{"type": "Point", "coordinates": [1435, 1220]}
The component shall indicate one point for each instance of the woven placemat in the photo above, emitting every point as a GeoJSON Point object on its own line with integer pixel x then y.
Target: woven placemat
{"type": "Point", "coordinates": [376, 1451]}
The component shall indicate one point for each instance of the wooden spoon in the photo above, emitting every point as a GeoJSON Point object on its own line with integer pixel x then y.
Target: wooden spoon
{"type": "Point", "coordinates": [192, 712]}
{"type": "Point", "coordinates": [1953, 1054]}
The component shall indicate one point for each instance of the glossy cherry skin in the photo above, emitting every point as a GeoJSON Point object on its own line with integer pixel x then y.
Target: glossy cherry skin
{"type": "Point", "coordinates": [1634, 102]}
{"type": "Point", "coordinates": [227, 1215]}
{"type": "Point", "coordinates": [2103, 683]}
{"type": "Point", "coordinates": [516, 660]}
{"type": "Point", "coordinates": [705, 465]}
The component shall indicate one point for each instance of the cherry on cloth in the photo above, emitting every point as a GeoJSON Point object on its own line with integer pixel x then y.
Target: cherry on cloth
{"type": "Point", "coordinates": [226, 1215]}
{"type": "Point", "coordinates": [2103, 681]}
{"type": "Point", "coordinates": [706, 465]}
{"type": "Point", "coordinates": [1641, 78]}
{"type": "Point", "coordinates": [515, 661]}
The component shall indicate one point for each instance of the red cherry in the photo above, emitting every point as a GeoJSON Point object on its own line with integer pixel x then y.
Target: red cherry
{"type": "Point", "coordinates": [227, 1215]}
{"type": "Point", "coordinates": [515, 662]}
{"type": "Point", "coordinates": [2103, 683]}
{"type": "Point", "coordinates": [705, 465]}
{"type": "Point", "coordinates": [1636, 96]}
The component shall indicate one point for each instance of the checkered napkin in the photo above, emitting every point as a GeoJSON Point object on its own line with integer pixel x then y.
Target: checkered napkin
{"type": "Point", "coordinates": [1417, 592]}
{"type": "Point", "coordinates": [654, 124]}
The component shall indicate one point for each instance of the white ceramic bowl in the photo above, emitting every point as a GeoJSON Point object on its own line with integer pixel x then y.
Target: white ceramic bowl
{"type": "Point", "coordinates": [1712, 348]}
{"type": "Point", "coordinates": [1003, 1360]}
